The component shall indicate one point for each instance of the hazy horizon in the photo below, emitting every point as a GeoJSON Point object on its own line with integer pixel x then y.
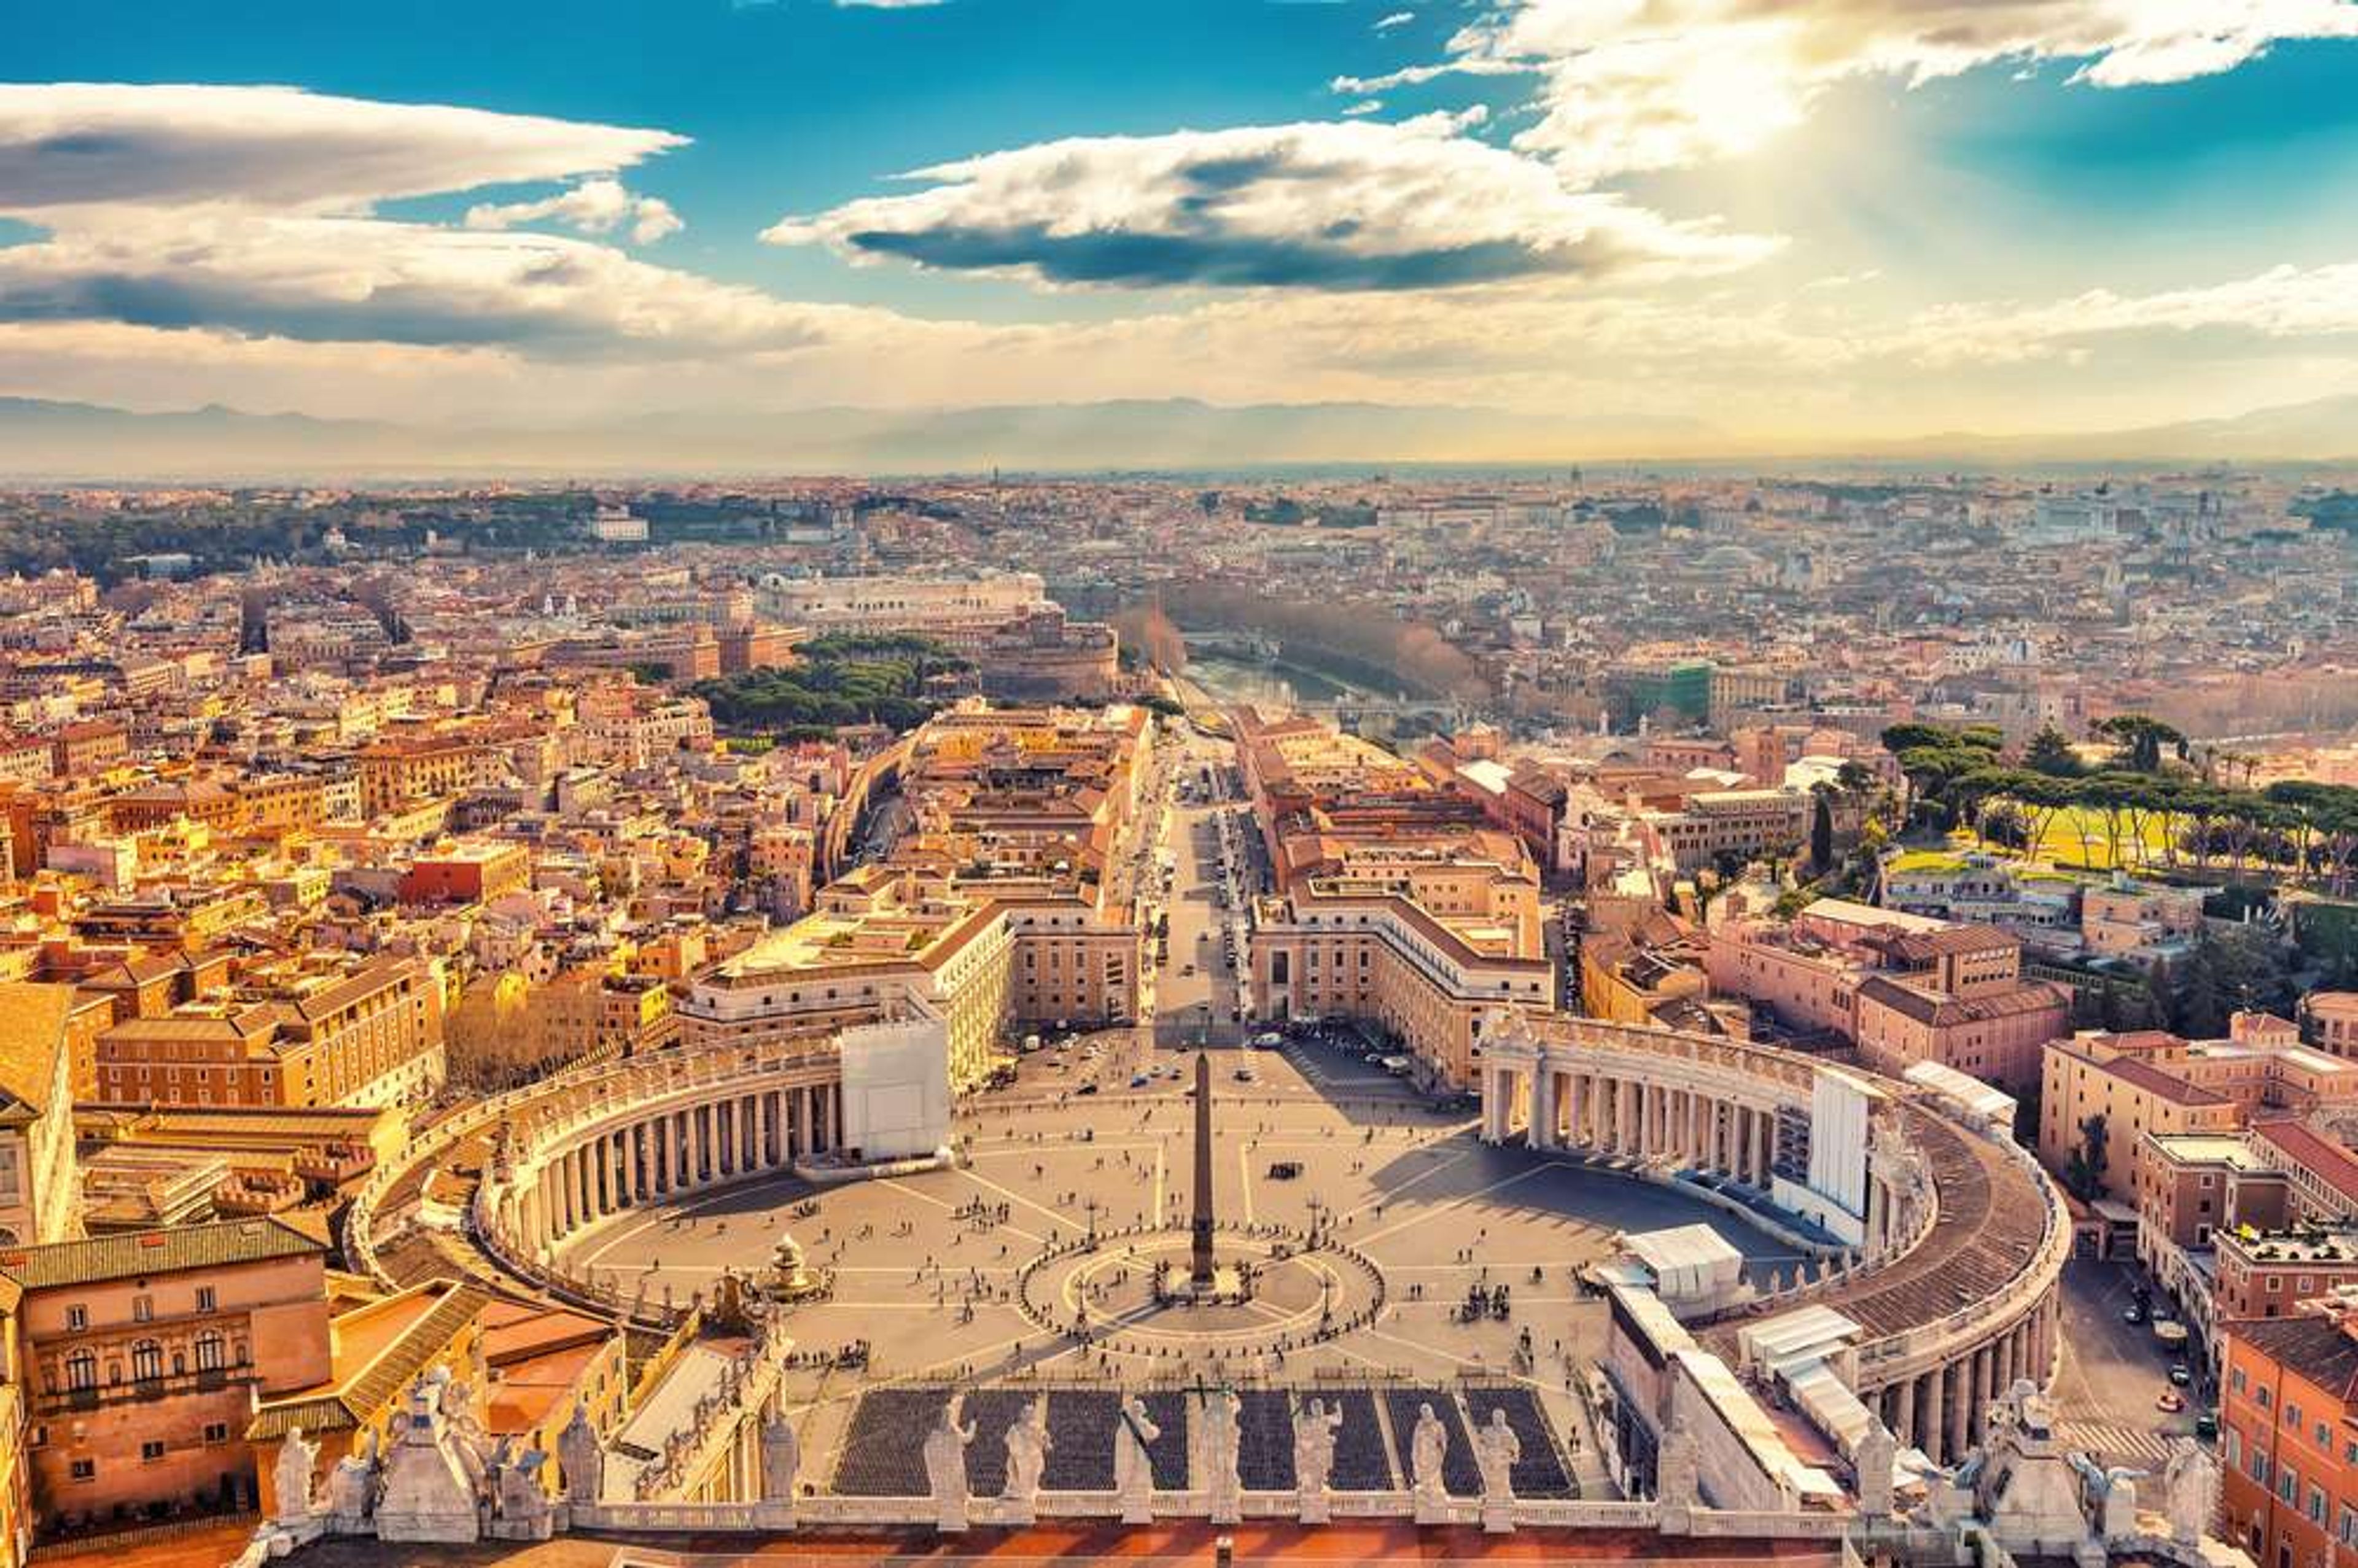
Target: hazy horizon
{"type": "Point", "coordinates": [1826, 228]}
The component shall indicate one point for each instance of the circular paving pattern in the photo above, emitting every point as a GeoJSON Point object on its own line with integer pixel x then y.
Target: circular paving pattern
{"type": "Point", "coordinates": [1279, 1290]}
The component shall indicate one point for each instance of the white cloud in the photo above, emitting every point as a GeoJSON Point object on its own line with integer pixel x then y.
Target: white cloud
{"type": "Point", "coordinates": [68, 144]}
{"type": "Point", "coordinates": [252, 211]}
{"type": "Point", "coordinates": [1640, 84]}
{"type": "Point", "coordinates": [593, 207]}
{"type": "Point", "coordinates": [2283, 304]}
{"type": "Point", "coordinates": [1321, 205]}
{"type": "Point", "coordinates": [1396, 19]}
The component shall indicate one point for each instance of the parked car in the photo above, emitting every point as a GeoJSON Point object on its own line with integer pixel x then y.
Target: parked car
{"type": "Point", "coordinates": [2181, 1375]}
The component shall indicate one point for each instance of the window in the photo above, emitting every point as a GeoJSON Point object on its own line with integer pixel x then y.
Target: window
{"type": "Point", "coordinates": [81, 1370]}
{"type": "Point", "coordinates": [148, 1361]}
{"type": "Point", "coordinates": [216, 1431]}
{"type": "Point", "coordinates": [77, 1319]}
{"type": "Point", "coordinates": [84, 1470]}
{"type": "Point", "coordinates": [2315, 1505]}
{"type": "Point", "coordinates": [206, 1300]}
{"type": "Point", "coordinates": [2235, 1378]}
{"type": "Point", "coordinates": [150, 1452]}
{"type": "Point", "coordinates": [208, 1352]}
{"type": "Point", "coordinates": [143, 1309]}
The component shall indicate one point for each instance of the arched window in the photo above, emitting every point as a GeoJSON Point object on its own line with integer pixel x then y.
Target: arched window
{"type": "Point", "coordinates": [208, 1352]}
{"type": "Point", "coordinates": [147, 1362]}
{"type": "Point", "coordinates": [81, 1370]}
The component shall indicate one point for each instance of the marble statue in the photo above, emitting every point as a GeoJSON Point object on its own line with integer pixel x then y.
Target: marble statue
{"type": "Point", "coordinates": [1221, 1416]}
{"type": "Point", "coordinates": [430, 1475]}
{"type": "Point", "coordinates": [1496, 1449]}
{"type": "Point", "coordinates": [945, 1468]}
{"type": "Point", "coordinates": [292, 1477]}
{"type": "Point", "coordinates": [1428, 1445]}
{"type": "Point", "coordinates": [782, 1459]}
{"type": "Point", "coordinates": [2191, 1479]}
{"type": "Point", "coordinates": [1877, 1449]}
{"type": "Point", "coordinates": [581, 1457]}
{"type": "Point", "coordinates": [2119, 1519]}
{"type": "Point", "coordinates": [1133, 1466]}
{"type": "Point", "coordinates": [1313, 1457]}
{"type": "Point", "coordinates": [1028, 1443]}
{"type": "Point", "coordinates": [520, 1505]}
{"type": "Point", "coordinates": [1677, 1483]}
{"type": "Point", "coordinates": [352, 1487]}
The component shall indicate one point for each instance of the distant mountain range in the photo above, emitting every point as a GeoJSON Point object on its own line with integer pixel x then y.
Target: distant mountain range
{"type": "Point", "coordinates": [40, 439]}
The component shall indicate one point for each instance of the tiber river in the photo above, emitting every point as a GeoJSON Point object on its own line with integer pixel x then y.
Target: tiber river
{"type": "Point", "coordinates": [1271, 686]}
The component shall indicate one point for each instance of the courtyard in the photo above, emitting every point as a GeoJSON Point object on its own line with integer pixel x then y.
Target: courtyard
{"type": "Point", "coordinates": [1382, 1239]}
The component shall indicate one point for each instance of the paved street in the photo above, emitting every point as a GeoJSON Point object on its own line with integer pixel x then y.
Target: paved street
{"type": "Point", "coordinates": [1202, 986]}
{"type": "Point", "coordinates": [2112, 1372]}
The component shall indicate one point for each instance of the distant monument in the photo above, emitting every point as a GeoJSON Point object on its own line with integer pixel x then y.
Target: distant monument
{"type": "Point", "coordinates": [1204, 1279]}
{"type": "Point", "coordinates": [1201, 1272]}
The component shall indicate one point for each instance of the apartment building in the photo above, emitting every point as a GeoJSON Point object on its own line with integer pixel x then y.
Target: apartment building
{"type": "Point", "coordinates": [2288, 1436]}
{"type": "Point", "coordinates": [368, 1032]}
{"type": "Point", "coordinates": [1906, 988]}
{"type": "Point", "coordinates": [2149, 1081]}
{"type": "Point", "coordinates": [39, 1180]}
{"type": "Point", "coordinates": [144, 1353]}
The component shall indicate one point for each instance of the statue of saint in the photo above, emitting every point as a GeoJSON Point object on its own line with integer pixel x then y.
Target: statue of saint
{"type": "Point", "coordinates": [1314, 1447]}
{"type": "Point", "coordinates": [945, 1468]}
{"type": "Point", "coordinates": [1223, 1411]}
{"type": "Point", "coordinates": [1428, 1446]}
{"type": "Point", "coordinates": [292, 1477]}
{"type": "Point", "coordinates": [352, 1485]}
{"type": "Point", "coordinates": [1027, 1455]}
{"type": "Point", "coordinates": [782, 1457]}
{"type": "Point", "coordinates": [1133, 1466]}
{"type": "Point", "coordinates": [2191, 1484]}
{"type": "Point", "coordinates": [1496, 1449]}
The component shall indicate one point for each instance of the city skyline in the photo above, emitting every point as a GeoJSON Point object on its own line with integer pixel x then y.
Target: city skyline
{"type": "Point", "coordinates": [1678, 229]}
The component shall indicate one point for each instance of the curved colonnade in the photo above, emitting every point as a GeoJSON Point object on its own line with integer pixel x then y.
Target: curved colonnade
{"type": "Point", "coordinates": [1952, 1277]}
{"type": "Point", "coordinates": [1951, 1283]}
{"type": "Point", "coordinates": [578, 1147]}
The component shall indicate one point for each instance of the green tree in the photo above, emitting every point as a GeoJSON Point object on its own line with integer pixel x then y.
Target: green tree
{"type": "Point", "coordinates": [2051, 753]}
{"type": "Point", "coordinates": [1822, 831]}
{"type": "Point", "coordinates": [2084, 1173]}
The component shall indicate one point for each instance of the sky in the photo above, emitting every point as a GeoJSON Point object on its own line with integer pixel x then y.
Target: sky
{"type": "Point", "coordinates": [1782, 222]}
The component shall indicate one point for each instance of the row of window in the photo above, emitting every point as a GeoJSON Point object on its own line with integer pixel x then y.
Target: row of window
{"type": "Point", "coordinates": [151, 1451]}
{"type": "Point", "coordinates": [147, 1362]}
{"type": "Point", "coordinates": [143, 1309]}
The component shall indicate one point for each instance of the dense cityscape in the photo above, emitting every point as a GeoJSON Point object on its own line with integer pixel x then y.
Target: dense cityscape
{"type": "Point", "coordinates": [466, 946]}
{"type": "Point", "coordinates": [987, 782]}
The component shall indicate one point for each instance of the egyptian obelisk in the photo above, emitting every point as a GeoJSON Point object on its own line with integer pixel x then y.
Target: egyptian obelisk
{"type": "Point", "coordinates": [1201, 1272]}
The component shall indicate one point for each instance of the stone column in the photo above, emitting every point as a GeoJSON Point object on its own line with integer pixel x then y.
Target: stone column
{"type": "Point", "coordinates": [1957, 1399]}
{"type": "Point", "coordinates": [1903, 1421]}
{"type": "Point", "coordinates": [1932, 1432]}
{"type": "Point", "coordinates": [1744, 1144]}
{"type": "Point", "coordinates": [1544, 1134]}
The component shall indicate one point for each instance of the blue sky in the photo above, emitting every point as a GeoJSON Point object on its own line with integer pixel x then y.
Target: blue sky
{"type": "Point", "coordinates": [1794, 222]}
